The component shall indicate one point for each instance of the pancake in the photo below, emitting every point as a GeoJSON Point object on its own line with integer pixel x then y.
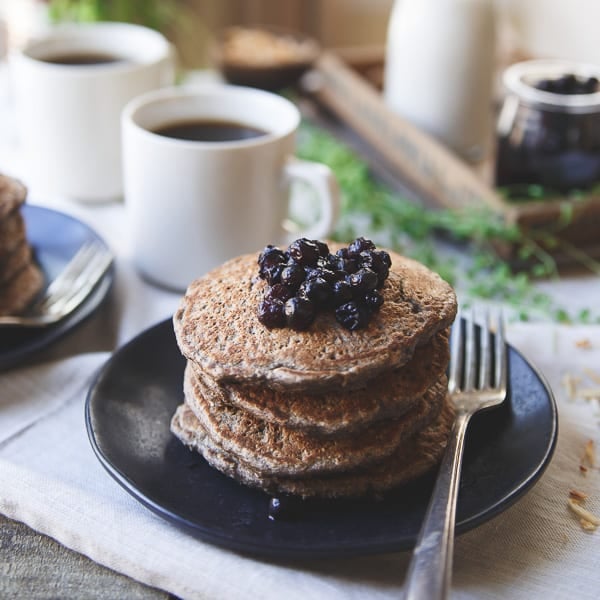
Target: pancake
{"type": "Point", "coordinates": [231, 345]}
{"type": "Point", "coordinates": [20, 278]}
{"type": "Point", "coordinates": [12, 233]}
{"type": "Point", "coordinates": [410, 460]}
{"type": "Point", "coordinates": [277, 450]}
{"type": "Point", "coordinates": [12, 195]}
{"type": "Point", "coordinates": [388, 396]}
{"type": "Point", "coordinates": [17, 293]}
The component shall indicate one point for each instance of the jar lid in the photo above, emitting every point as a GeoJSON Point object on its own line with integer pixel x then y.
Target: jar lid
{"type": "Point", "coordinates": [521, 78]}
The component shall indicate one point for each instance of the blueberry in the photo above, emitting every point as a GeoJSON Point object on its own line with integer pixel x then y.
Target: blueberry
{"type": "Point", "coordinates": [359, 245]}
{"type": "Point", "coordinates": [568, 84]}
{"type": "Point", "coordinates": [270, 262]}
{"type": "Point", "coordinates": [299, 313]}
{"type": "Point", "coordinates": [272, 273]}
{"type": "Point", "coordinates": [317, 290]}
{"type": "Point", "coordinates": [590, 86]}
{"type": "Point", "coordinates": [311, 273]}
{"type": "Point", "coordinates": [329, 262]}
{"type": "Point", "coordinates": [363, 280]}
{"type": "Point", "coordinates": [304, 252]}
{"type": "Point", "coordinates": [342, 292]}
{"type": "Point", "coordinates": [285, 507]}
{"type": "Point", "coordinates": [544, 85]}
{"type": "Point", "coordinates": [386, 259]}
{"type": "Point", "coordinates": [340, 275]}
{"type": "Point", "coordinates": [271, 255]}
{"type": "Point", "coordinates": [377, 261]}
{"type": "Point", "coordinates": [292, 276]}
{"type": "Point", "coordinates": [348, 265]}
{"type": "Point", "coordinates": [565, 84]}
{"type": "Point", "coordinates": [279, 292]}
{"type": "Point", "coordinates": [352, 315]}
{"type": "Point", "coordinates": [271, 313]}
{"type": "Point", "coordinates": [329, 275]}
{"type": "Point", "coordinates": [323, 248]}
{"type": "Point", "coordinates": [373, 300]}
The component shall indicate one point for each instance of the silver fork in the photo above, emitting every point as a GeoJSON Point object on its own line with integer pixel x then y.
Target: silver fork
{"type": "Point", "coordinates": [66, 292]}
{"type": "Point", "coordinates": [430, 571]}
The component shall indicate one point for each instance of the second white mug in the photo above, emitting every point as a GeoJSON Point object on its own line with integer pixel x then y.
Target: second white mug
{"type": "Point", "coordinates": [71, 84]}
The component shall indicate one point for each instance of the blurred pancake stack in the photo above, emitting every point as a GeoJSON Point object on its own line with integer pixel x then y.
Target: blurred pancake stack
{"type": "Point", "coordinates": [20, 277]}
{"type": "Point", "coordinates": [323, 411]}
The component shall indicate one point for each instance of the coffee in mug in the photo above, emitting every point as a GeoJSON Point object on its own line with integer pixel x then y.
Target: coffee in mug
{"type": "Point", "coordinates": [79, 58]}
{"type": "Point", "coordinates": [204, 130]}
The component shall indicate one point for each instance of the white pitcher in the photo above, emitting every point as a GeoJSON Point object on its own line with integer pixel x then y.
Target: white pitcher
{"type": "Point", "coordinates": [440, 70]}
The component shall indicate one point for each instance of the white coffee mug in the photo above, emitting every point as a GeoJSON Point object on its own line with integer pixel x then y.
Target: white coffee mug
{"type": "Point", "coordinates": [194, 204]}
{"type": "Point", "coordinates": [70, 86]}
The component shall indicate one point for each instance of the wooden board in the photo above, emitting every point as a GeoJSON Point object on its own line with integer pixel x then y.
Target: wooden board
{"type": "Point", "coordinates": [34, 566]}
{"type": "Point", "coordinates": [435, 173]}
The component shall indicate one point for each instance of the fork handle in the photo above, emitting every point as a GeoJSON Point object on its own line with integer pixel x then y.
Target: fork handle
{"type": "Point", "coordinates": [430, 571]}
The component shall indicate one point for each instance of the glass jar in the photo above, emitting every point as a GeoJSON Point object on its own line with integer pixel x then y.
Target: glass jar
{"type": "Point", "coordinates": [549, 126]}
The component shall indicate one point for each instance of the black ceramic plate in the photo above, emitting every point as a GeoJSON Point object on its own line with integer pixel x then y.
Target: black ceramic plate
{"type": "Point", "coordinates": [131, 402]}
{"type": "Point", "coordinates": [55, 238]}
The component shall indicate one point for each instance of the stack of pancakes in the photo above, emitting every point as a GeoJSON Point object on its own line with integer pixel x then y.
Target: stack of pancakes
{"type": "Point", "coordinates": [20, 277]}
{"type": "Point", "coordinates": [323, 412]}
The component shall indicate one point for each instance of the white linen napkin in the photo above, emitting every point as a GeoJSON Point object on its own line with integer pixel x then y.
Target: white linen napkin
{"type": "Point", "coordinates": [51, 480]}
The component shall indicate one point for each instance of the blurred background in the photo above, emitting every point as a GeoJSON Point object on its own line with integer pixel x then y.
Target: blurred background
{"type": "Point", "coordinates": [528, 28]}
{"type": "Point", "coordinates": [536, 230]}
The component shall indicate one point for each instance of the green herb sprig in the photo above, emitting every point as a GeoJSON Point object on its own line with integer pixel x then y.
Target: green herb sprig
{"type": "Point", "coordinates": [156, 14]}
{"type": "Point", "coordinates": [431, 236]}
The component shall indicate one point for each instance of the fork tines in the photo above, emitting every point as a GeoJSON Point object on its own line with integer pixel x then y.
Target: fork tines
{"type": "Point", "coordinates": [78, 278]}
{"type": "Point", "coordinates": [473, 354]}
{"type": "Point", "coordinates": [65, 280]}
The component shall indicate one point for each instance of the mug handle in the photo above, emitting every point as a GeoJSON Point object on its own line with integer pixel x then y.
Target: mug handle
{"type": "Point", "coordinates": [321, 178]}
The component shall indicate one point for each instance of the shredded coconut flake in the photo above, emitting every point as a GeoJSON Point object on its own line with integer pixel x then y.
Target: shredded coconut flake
{"type": "Point", "coordinates": [577, 495]}
{"type": "Point", "coordinates": [592, 521]}
{"type": "Point", "coordinates": [570, 384]}
{"type": "Point", "coordinates": [587, 525]}
{"type": "Point", "coordinates": [592, 375]}
{"type": "Point", "coordinates": [589, 453]}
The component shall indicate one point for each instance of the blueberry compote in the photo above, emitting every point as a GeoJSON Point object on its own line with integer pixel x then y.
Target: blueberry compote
{"type": "Point", "coordinates": [307, 278]}
{"type": "Point", "coordinates": [285, 507]}
{"type": "Point", "coordinates": [549, 128]}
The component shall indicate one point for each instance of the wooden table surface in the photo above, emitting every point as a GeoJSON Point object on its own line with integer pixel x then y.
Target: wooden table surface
{"type": "Point", "coordinates": [36, 567]}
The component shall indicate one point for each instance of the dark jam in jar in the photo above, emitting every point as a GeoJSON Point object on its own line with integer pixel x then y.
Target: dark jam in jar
{"type": "Point", "coordinates": [549, 126]}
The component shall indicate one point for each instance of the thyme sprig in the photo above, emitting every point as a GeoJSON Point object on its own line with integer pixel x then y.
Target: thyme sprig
{"type": "Point", "coordinates": [157, 14]}
{"type": "Point", "coordinates": [432, 236]}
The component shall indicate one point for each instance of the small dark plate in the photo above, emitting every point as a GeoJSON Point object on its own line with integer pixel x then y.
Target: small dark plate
{"type": "Point", "coordinates": [129, 407]}
{"type": "Point", "coordinates": [55, 238]}
{"type": "Point", "coordinates": [272, 76]}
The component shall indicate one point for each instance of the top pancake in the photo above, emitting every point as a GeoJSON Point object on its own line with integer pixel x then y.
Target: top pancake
{"type": "Point", "coordinates": [217, 328]}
